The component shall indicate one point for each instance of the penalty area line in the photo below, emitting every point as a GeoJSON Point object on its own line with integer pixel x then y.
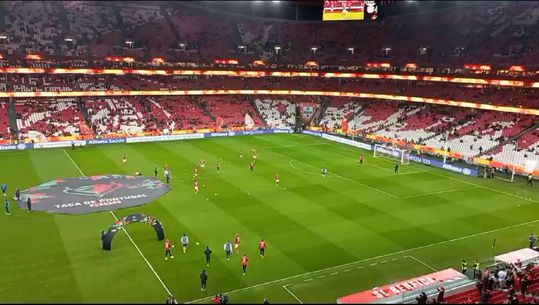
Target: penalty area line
{"type": "Point", "coordinates": [337, 175]}
{"type": "Point", "coordinates": [127, 233]}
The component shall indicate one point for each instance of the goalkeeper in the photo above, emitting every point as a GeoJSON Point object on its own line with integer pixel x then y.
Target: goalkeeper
{"type": "Point", "coordinates": [396, 168]}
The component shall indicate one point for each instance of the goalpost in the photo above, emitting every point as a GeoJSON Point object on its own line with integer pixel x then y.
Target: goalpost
{"type": "Point", "coordinates": [392, 153]}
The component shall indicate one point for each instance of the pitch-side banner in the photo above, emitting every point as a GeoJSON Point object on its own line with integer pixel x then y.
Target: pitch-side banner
{"type": "Point", "coordinates": [390, 292]}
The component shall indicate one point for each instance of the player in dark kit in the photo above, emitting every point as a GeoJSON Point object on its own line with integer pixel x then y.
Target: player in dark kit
{"type": "Point", "coordinates": [29, 204]}
{"type": "Point", "coordinates": [17, 195]}
{"type": "Point", "coordinates": [262, 247]}
{"type": "Point", "coordinates": [155, 171]}
{"type": "Point", "coordinates": [4, 189]}
{"type": "Point", "coordinates": [207, 253]}
{"type": "Point", "coordinates": [244, 262]}
{"type": "Point", "coordinates": [396, 168]}
{"type": "Point", "coordinates": [361, 159]}
{"type": "Point", "coordinates": [218, 167]}
{"type": "Point", "coordinates": [124, 158]}
{"type": "Point", "coordinates": [7, 206]}
{"type": "Point", "coordinates": [203, 280]}
{"type": "Point", "coordinates": [252, 167]}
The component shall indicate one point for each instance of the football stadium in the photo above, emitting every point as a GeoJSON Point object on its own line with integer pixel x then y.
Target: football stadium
{"type": "Point", "coordinates": [297, 152]}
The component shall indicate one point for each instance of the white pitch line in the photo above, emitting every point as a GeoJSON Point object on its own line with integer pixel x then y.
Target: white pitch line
{"type": "Point", "coordinates": [297, 145]}
{"type": "Point", "coordinates": [128, 235]}
{"type": "Point", "coordinates": [422, 262]}
{"type": "Point", "coordinates": [337, 175]}
{"type": "Point", "coordinates": [334, 273]}
{"type": "Point", "coordinates": [439, 192]}
{"type": "Point", "coordinates": [480, 186]}
{"type": "Point", "coordinates": [291, 293]}
{"type": "Point", "coordinates": [374, 258]}
{"type": "Point", "coordinates": [382, 168]}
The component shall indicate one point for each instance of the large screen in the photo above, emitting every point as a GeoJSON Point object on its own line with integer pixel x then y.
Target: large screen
{"type": "Point", "coordinates": [350, 10]}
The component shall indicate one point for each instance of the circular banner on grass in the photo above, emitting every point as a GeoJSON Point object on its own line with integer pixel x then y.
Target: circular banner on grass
{"type": "Point", "coordinates": [93, 194]}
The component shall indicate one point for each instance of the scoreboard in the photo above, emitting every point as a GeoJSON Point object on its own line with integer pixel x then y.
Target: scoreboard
{"type": "Point", "coordinates": [350, 10]}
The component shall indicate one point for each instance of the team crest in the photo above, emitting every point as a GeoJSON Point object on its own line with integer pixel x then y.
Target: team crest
{"type": "Point", "coordinates": [94, 190]}
{"type": "Point", "coordinates": [308, 111]}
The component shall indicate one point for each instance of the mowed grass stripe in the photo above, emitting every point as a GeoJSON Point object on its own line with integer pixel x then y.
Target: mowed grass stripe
{"type": "Point", "coordinates": [28, 253]}
{"type": "Point", "coordinates": [358, 222]}
{"type": "Point", "coordinates": [124, 259]}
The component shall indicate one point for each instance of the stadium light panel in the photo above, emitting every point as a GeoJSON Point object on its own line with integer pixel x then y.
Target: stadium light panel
{"type": "Point", "coordinates": [3, 37]}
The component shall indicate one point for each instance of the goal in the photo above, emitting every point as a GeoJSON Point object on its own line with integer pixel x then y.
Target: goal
{"type": "Point", "coordinates": [392, 153]}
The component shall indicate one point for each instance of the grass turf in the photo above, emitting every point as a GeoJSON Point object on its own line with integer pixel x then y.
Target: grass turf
{"type": "Point", "coordinates": [360, 227]}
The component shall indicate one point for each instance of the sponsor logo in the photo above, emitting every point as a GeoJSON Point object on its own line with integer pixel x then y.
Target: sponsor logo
{"type": "Point", "coordinates": [53, 144]}
{"type": "Point", "coordinates": [218, 134]}
{"type": "Point", "coordinates": [282, 131]}
{"type": "Point", "coordinates": [312, 133]}
{"type": "Point", "coordinates": [105, 141]}
{"type": "Point", "coordinates": [388, 151]}
{"type": "Point", "coordinates": [21, 146]}
{"type": "Point", "coordinates": [450, 167]}
{"type": "Point", "coordinates": [346, 141]}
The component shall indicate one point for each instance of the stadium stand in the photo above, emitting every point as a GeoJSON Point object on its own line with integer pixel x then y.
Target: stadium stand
{"type": "Point", "coordinates": [277, 113]}
{"type": "Point", "coordinates": [60, 117]}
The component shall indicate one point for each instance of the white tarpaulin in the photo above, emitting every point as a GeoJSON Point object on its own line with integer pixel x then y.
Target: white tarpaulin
{"type": "Point", "coordinates": [249, 123]}
{"type": "Point", "coordinates": [526, 255]}
{"type": "Point", "coordinates": [530, 166]}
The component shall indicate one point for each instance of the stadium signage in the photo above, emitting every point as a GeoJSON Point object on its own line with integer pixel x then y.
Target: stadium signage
{"type": "Point", "coordinates": [105, 141]}
{"type": "Point", "coordinates": [398, 292]}
{"type": "Point", "coordinates": [440, 164]}
{"type": "Point", "coordinates": [217, 134]}
{"type": "Point", "coordinates": [21, 146]}
{"type": "Point", "coordinates": [246, 132]}
{"type": "Point", "coordinates": [312, 133]}
{"type": "Point", "coordinates": [346, 141]}
{"type": "Point", "coordinates": [389, 151]}
{"type": "Point", "coordinates": [164, 138]}
{"type": "Point", "coordinates": [58, 144]}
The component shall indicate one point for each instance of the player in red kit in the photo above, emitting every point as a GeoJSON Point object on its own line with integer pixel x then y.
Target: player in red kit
{"type": "Point", "coordinates": [244, 262]}
{"type": "Point", "coordinates": [277, 179]}
{"type": "Point", "coordinates": [168, 249]}
{"type": "Point", "coordinates": [196, 185]}
{"type": "Point", "coordinates": [237, 243]}
{"type": "Point", "coordinates": [262, 247]}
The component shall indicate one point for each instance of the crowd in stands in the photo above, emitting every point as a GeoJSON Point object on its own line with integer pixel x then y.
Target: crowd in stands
{"type": "Point", "coordinates": [496, 95]}
{"type": "Point", "coordinates": [60, 117]}
{"type": "Point", "coordinates": [494, 32]}
{"type": "Point", "coordinates": [503, 284]}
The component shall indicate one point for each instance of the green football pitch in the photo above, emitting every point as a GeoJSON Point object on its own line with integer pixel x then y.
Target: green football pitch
{"type": "Point", "coordinates": [357, 228]}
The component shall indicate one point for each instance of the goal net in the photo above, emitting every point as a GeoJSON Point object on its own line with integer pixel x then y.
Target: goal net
{"type": "Point", "coordinates": [392, 153]}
